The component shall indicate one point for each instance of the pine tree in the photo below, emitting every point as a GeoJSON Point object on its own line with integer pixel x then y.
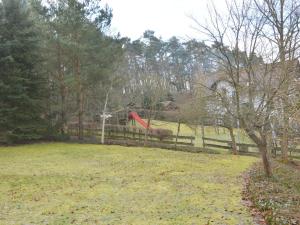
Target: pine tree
{"type": "Point", "coordinates": [22, 87]}
{"type": "Point", "coordinates": [80, 54]}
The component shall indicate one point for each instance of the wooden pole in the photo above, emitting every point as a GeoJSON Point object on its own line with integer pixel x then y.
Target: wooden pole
{"type": "Point", "coordinates": [104, 118]}
{"type": "Point", "coordinates": [139, 135]}
{"type": "Point", "coordinates": [203, 135]}
{"type": "Point", "coordinates": [178, 130]}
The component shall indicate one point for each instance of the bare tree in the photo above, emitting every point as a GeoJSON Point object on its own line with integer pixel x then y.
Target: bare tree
{"type": "Point", "coordinates": [282, 30]}
{"type": "Point", "coordinates": [223, 117]}
{"type": "Point", "coordinates": [237, 40]}
{"type": "Point", "coordinates": [152, 90]}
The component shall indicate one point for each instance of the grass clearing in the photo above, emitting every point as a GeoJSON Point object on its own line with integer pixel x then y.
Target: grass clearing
{"type": "Point", "coordinates": [93, 184]}
{"type": "Point", "coordinates": [210, 132]}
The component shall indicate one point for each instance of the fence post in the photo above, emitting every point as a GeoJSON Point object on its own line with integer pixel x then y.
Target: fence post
{"type": "Point", "coordinates": [139, 135]}
{"type": "Point", "coordinates": [133, 133]}
{"type": "Point", "coordinates": [203, 135]}
{"type": "Point", "coordinates": [109, 131]}
{"type": "Point", "coordinates": [178, 130]}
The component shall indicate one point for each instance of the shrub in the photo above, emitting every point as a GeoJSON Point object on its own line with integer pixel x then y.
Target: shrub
{"type": "Point", "coordinates": [161, 134]}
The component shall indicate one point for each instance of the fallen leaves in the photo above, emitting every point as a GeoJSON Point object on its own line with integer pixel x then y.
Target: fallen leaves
{"type": "Point", "coordinates": [277, 199]}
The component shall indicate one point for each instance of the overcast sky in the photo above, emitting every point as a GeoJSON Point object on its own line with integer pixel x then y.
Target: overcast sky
{"type": "Point", "coordinates": [166, 17]}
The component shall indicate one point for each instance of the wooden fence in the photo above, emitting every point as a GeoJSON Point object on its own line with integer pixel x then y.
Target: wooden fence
{"type": "Point", "coordinates": [136, 136]}
{"type": "Point", "coordinates": [223, 144]}
{"type": "Point", "coordinates": [118, 132]}
{"type": "Point", "coordinates": [242, 147]}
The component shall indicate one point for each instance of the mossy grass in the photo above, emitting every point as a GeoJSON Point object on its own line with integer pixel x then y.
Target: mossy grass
{"type": "Point", "coordinates": [57, 183]}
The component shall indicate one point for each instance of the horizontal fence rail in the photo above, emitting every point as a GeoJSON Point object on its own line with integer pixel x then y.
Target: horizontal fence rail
{"type": "Point", "coordinates": [138, 135]}
{"type": "Point", "coordinates": [242, 147]}
{"type": "Point", "coordinates": [120, 132]}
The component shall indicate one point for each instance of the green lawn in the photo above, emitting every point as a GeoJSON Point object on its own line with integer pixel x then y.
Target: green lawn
{"type": "Point", "coordinates": [209, 131]}
{"type": "Point", "coordinates": [92, 184]}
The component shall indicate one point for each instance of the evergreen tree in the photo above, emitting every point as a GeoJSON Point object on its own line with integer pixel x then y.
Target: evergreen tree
{"type": "Point", "coordinates": [22, 87]}
{"type": "Point", "coordinates": [80, 58]}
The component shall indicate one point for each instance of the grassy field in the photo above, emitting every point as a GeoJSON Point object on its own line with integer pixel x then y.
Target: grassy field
{"type": "Point", "coordinates": [209, 131]}
{"type": "Point", "coordinates": [60, 184]}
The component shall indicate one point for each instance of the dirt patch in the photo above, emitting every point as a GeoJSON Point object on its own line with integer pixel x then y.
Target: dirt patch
{"type": "Point", "coordinates": [258, 217]}
{"type": "Point", "coordinates": [295, 164]}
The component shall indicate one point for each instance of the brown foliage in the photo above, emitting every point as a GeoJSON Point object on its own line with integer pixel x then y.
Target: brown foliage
{"type": "Point", "coordinates": [161, 133]}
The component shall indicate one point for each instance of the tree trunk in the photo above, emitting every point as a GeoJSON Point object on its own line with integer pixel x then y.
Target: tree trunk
{"type": "Point", "coordinates": [148, 127]}
{"type": "Point", "coordinates": [80, 103]}
{"type": "Point", "coordinates": [63, 109]}
{"type": "Point", "coordinates": [273, 140]}
{"type": "Point", "coordinates": [261, 143]}
{"type": "Point", "coordinates": [104, 118]}
{"type": "Point", "coordinates": [284, 77]}
{"type": "Point", "coordinates": [234, 147]}
{"type": "Point", "coordinates": [265, 159]}
{"type": "Point", "coordinates": [284, 141]}
{"type": "Point", "coordinates": [80, 113]}
{"type": "Point", "coordinates": [147, 131]}
{"type": "Point", "coordinates": [63, 89]}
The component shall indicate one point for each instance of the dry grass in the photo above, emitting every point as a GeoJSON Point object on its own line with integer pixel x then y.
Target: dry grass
{"type": "Point", "coordinates": [92, 184]}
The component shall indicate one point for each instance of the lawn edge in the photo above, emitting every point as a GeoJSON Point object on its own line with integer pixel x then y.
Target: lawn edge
{"type": "Point", "coordinates": [256, 214]}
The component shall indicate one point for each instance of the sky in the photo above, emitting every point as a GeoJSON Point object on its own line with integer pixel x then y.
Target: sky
{"type": "Point", "coordinates": [166, 17]}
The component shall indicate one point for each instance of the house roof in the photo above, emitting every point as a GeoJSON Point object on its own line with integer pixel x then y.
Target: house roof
{"type": "Point", "coordinates": [264, 72]}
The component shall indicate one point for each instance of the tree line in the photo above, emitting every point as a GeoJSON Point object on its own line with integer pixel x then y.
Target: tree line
{"type": "Point", "coordinates": [58, 62]}
{"type": "Point", "coordinates": [53, 57]}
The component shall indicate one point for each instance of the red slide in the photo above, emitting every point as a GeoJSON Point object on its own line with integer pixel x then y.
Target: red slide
{"type": "Point", "coordinates": [136, 117]}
